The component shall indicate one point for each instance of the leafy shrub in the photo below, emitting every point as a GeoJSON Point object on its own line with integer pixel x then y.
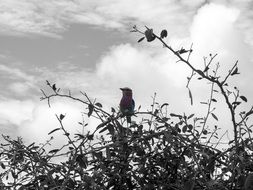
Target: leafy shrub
{"type": "Point", "coordinates": [162, 151]}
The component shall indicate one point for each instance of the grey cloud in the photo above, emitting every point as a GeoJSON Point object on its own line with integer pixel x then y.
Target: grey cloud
{"type": "Point", "coordinates": [51, 18]}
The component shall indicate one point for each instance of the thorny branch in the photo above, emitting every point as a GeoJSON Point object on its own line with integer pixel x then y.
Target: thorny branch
{"type": "Point", "coordinates": [206, 76]}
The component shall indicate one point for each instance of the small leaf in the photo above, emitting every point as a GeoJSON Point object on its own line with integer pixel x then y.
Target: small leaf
{"type": "Point", "coordinates": [54, 87]}
{"type": "Point", "coordinates": [90, 137]}
{"type": "Point", "coordinates": [98, 154]}
{"type": "Point", "coordinates": [175, 115]}
{"type": "Point", "coordinates": [62, 116]}
{"type": "Point", "coordinates": [236, 103]}
{"type": "Point", "coordinates": [214, 100]}
{"type": "Point", "coordinates": [214, 116]}
{"type": "Point", "coordinates": [80, 136]}
{"type": "Point", "coordinates": [140, 152]}
{"type": "Point", "coordinates": [205, 132]}
{"type": "Point", "coordinates": [200, 72]}
{"type": "Point", "coordinates": [101, 125]}
{"type": "Point", "coordinates": [113, 110]}
{"type": "Point", "coordinates": [15, 176]}
{"type": "Point", "coordinates": [48, 83]}
{"type": "Point", "coordinates": [111, 129]}
{"type": "Point", "coordinates": [53, 151]}
{"type": "Point", "coordinates": [235, 71]}
{"type": "Point", "coordinates": [249, 113]}
{"type": "Point", "coordinates": [67, 134]}
{"type": "Point", "coordinates": [190, 95]}
{"type": "Point", "coordinates": [81, 160]}
{"type": "Point", "coordinates": [184, 129]}
{"type": "Point", "coordinates": [91, 108]}
{"type": "Point", "coordinates": [206, 69]}
{"type": "Point", "coordinates": [149, 35]}
{"type": "Point", "coordinates": [71, 148]}
{"type": "Point", "coordinates": [53, 131]}
{"type": "Point", "coordinates": [3, 166]}
{"type": "Point", "coordinates": [190, 116]}
{"type": "Point", "coordinates": [244, 98]}
{"type": "Point", "coordinates": [31, 145]}
{"type": "Point", "coordinates": [165, 104]}
{"type": "Point", "coordinates": [141, 39]}
{"type": "Point", "coordinates": [156, 112]}
{"type": "Point", "coordinates": [98, 104]}
{"type": "Point", "coordinates": [104, 129]}
{"type": "Point", "coordinates": [163, 34]}
{"type": "Point", "coordinates": [190, 127]}
{"type": "Point", "coordinates": [182, 51]}
{"type": "Point", "coordinates": [35, 147]}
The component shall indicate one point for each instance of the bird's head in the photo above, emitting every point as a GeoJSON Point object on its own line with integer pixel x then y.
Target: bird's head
{"type": "Point", "coordinates": [126, 91]}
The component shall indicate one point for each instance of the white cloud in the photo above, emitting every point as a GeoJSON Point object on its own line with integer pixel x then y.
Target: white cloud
{"type": "Point", "coordinates": [18, 82]}
{"type": "Point", "coordinates": [20, 88]}
{"type": "Point", "coordinates": [149, 70]}
{"type": "Point", "coordinates": [15, 112]}
{"type": "Point", "coordinates": [53, 17]}
{"type": "Point", "coordinates": [124, 65]}
{"type": "Point", "coordinates": [245, 21]}
{"type": "Point", "coordinates": [217, 33]}
{"type": "Point", "coordinates": [24, 18]}
{"type": "Point", "coordinates": [15, 73]}
{"type": "Point", "coordinates": [213, 27]}
{"type": "Point", "coordinates": [34, 120]}
{"type": "Point", "coordinates": [214, 30]}
{"type": "Point", "coordinates": [43, 121]}
{"type": "Point", "coordinates": [145, 70]}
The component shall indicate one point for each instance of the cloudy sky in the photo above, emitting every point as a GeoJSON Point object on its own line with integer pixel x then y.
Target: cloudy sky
{"type": "Point", "coordinates": [86, 45]}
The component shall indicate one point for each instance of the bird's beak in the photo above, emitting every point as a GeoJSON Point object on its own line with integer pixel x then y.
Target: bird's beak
{"type": "Point", "coordinates": [121, 88]}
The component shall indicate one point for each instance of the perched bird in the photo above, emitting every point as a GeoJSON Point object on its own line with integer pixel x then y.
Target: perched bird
{"type": "Point", "coordinates": [127, 103]}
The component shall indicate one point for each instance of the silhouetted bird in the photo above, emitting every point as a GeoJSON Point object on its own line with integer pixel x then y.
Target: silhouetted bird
{"type": "Point", "coordinates": [127, 103]}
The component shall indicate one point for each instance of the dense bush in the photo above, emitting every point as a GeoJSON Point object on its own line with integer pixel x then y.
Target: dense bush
{"type": "Point", "coordinates": [161, 151]}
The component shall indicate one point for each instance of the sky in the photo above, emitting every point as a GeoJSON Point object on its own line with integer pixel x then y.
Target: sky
{"type": "Point", "coordinates": [86, 45]}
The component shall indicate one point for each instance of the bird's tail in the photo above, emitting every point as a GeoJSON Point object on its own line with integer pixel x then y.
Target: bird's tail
{"type": "Point", "coordinates": [128, 118]}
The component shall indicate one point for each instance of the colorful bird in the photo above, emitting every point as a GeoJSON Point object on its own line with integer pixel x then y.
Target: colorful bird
{"type": "Point", "coordinates": [127, 103]}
